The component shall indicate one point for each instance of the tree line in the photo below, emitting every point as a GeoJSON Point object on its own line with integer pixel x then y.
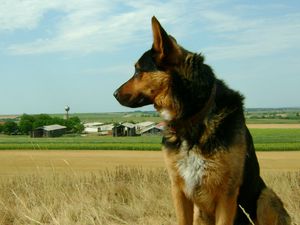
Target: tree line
{"type": "Point", "coordinates": [28, 123]}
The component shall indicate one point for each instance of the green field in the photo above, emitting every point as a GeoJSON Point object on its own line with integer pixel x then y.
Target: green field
{"type": "Point", "coordinates": [116, 117]}
{"type": "Point", "coordinates": [272, 121]}
{"type": "Point", "coordinates": [252, 116]}
{"type": "Point", "coordinates": [264, 139]}
{"type": "Point", "coordinates": [81, 142]}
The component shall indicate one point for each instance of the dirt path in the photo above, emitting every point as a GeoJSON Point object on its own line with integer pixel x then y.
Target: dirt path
{"type": "Point", "coordinates": [282, 126]}
{"type": "Point", "coordinates": [18, 162]}
{"type": "Point", "coordinates": [23, 161]}
{"type": "Point", "coordinates": [279, 160]}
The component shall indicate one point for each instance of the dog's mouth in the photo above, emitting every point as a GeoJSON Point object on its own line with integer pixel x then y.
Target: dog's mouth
{"type": "Point", "coordinates": [131, 101]}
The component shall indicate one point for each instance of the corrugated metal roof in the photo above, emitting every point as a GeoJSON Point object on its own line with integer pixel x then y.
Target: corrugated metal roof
{"type": "Point", "coordinates": [54, 127]}
{"type": "Point", "coordinates": [93, 124]}
{"type": "Point", "coordinates": [149, 128]}
{"type": "Point", "coordinates": [145, 124]}
{"type": "Point", "coordinates": [106, 127]}
{"type": "Point", "coordinates": [129, 125]}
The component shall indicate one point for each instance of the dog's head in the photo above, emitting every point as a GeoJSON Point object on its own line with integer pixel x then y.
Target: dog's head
{"type": "Point", "coordinates": [162, 77]}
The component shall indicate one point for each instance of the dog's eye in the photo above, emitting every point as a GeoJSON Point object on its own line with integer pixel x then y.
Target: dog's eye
{"type": "Point", "coordinates": [137, 72]}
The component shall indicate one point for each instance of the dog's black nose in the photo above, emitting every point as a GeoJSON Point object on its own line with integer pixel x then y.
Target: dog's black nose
{"type": "Point", "coordinates": [116, 93]}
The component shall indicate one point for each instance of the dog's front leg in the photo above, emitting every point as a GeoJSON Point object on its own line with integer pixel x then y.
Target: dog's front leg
{"type": "Point", "coordinates": [183, 206]}
{"type": "Point", "coordinates": [226, 209]}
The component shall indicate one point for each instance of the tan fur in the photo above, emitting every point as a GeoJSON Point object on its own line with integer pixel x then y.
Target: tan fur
{"type": "Point", "coordinates": [270, 210]}
{"type": "Point", "coordinates": [214, 197]}
{"type": "Point", "coordinates": [205, 185]}
{"type": "Point", "coordinates": [151, 86]}
{"type": "Point", "coordinates": [213, 200]}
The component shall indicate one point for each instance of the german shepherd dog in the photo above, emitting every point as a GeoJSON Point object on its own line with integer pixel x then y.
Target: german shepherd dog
{"type": "Point", "coordinates": [208, 149]}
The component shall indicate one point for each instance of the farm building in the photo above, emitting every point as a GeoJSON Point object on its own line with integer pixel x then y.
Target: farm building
{"type": "Point", "coordinates": [106, 129]}
{"type": "Point", "coordinates": [161, 125]}
{"type": "Point", "coordinates": [93, 124]}
{"type": "Point", "coordinates": [118, 130]}
{"type": "Point", "coordinates": [54, 130]}
{"type": "Point", "coordinates": [144, 125]}
{"type": "Point", "coordinates": [130, 129]}
{"type": "Point", "coordinates": [89, 130]}
{"type": "Point", "coordinates": [99, 128]}
{"type": "Point", "coordinates": [125, 129]}
{"type": "Point", "coordinates": [37, 132]}
{"type": "Point", "coordinates": [153, 130]}
{"type": "Point", "coordinates": [93, 127]}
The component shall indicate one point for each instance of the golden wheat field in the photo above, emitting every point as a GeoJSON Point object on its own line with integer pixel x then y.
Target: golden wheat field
{"type": "Point", "coordinates": [74, 188]}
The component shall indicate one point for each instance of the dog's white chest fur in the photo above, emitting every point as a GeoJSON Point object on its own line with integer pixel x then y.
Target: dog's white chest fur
{"type": "Point", "coordinates": [191, 168]}
{"type": "Point", "coordinates": [166, 114]}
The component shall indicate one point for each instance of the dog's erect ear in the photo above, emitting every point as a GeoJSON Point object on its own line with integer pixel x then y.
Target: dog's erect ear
{"type": "Point", "coordinates": [164, 45]}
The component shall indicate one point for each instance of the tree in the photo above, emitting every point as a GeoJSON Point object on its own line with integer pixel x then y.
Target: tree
{"type": "Point", "coordinates": [31, 122]}
{"type": "Point", "coordinates": [41, 120]}
{"type": "Point", "coordinates": [10, 127]}
{"type": "Point", "coordinates": [74, 125]}
{"type": "Point", "coordinates": [26, 123]}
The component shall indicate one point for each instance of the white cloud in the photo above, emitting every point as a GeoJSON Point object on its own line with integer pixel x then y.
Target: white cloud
{"type": "Point", "coordinates": [220, 22]}
{"type": "Point", "coordinates": [95, 25]}
{"type": "Point", "coordinates": [18, 14]}
{"type": "Point", "coordinates": [101, 25]}
{"type": "Point", "coordinates": [81, 23]}
{"type": "Point", "coordinates": [256, 38]}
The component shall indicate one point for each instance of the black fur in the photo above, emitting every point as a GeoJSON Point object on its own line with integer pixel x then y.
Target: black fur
{"type": "Point", "coordinates": [146, 63]}
{"type": "Point", "coordinates": [231, 102]}
{"type": "Point", "coordinates": [251, 187]}
{"type": "Point", "coordinates": [208, 114]}
{"type": "Point", "coordinates": [192, 91]}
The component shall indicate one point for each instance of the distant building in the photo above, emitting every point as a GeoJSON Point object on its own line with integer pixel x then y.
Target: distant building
{"type": "Point", "coordinates": [161, 125]}
{"type": "Point", "coordinates": [93, 127]}
{"type": "Point", "coordinates": [153, 130]}
{"type": "Point", "coordinates": [106, 129]}
{"type": "Point", "coordinates": [89, 130]}
{"type": "Point", "coordinates": [144, 125]}
{"type": "Point", "coordinates": [130, 129]}
{"type": "Point", "coordinates": [124, 129]}
{"type": "Point", "coordinates": [37, 132]}
{"type": "Point", "coordinates": [93, 124]}
{"type": "Point", "coordinates": [118, 130]}
{"type": "Point", "coordinates": [54, 130]}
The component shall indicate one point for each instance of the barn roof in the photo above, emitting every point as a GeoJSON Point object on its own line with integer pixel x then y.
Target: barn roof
{"type": "Point", "coordinates": [107, 127]}
{"type": "Point", "coordinates": [145, 124]}
{"type": "Point", "coordinates": [150, 128]}
{"type": "Point", "coordinates": [54, 127]}
{"type": "Point", "coordinates": [93, 124]}
{"type": "Point", "coordinates": [129, 125]}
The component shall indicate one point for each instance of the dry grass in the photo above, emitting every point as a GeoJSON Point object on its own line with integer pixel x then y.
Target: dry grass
{"type": "Point", "coordinates": [119, 196]}
{"type": "Point", "coordinates": [123, 195]}
{"type": "Point", "coordinates": [287, 186]}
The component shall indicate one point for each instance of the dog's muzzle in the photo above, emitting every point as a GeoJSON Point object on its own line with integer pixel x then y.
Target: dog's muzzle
{"type": "Point", "coordinates": [129, 100]}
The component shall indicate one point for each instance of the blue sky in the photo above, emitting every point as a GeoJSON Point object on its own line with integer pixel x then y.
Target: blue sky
{"type": "Point", "coordinates": [77, 52]}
